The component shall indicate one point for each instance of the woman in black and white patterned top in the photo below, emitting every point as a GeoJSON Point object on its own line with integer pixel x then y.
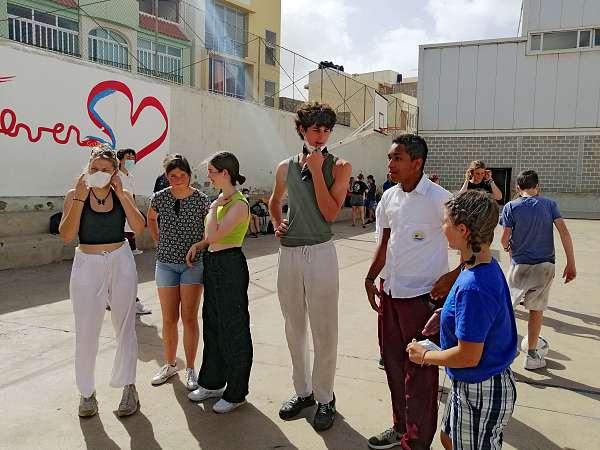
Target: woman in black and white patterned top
{"type": "Point", "coordinates": [182, 210]}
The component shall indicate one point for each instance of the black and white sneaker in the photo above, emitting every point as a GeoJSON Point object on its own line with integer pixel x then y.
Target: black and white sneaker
{"type": "Point", "coordinates": [325, 415]}
{"type": "Point", "coordinates": [294, 405]}
{"type": "Point", "coordinates": [386, 439]}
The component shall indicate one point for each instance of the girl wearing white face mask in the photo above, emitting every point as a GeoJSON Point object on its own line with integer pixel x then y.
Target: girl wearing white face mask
{"type": "Point", "coordinates": [103, 273]}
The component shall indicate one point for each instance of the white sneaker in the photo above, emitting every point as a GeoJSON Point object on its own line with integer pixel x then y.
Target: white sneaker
{"type": "Point", "coordinates": [202, 394]}
{"type": "Point", "coordinates": [191, 380]}
{"type": "Point", "coordinates": [140, 310]}
{"type": "Point", "coordinates": [534, 362]}
{"type": "Point", "coordinates": [137, 252]}
{"type": "Point", "coordinates": [223, 406]}
{"type": "Point", "coordinates": [165, 372]}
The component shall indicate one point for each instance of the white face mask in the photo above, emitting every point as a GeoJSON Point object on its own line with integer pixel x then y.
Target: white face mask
{"type": "Point", "coordinates": [98, 179]}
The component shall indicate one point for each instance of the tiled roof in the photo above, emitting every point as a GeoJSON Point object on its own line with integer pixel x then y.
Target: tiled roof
{"type": "Point", "coordinates": [67, 3]}
{"type": "Point", "coordinates": [167, 28]}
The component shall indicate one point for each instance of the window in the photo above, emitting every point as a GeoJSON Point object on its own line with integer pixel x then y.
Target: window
{"type": "Point", "coordinates": [270, 41]}
{"type": "Point", "coordinates": [42, 29]}
{"type": "Point", "coordinates": [536, 42]}
{"type": "Point", "coordinates": [559, 40]}
{"type": "Point", "coordinates": [226, 30]}
{"type": "Point", "coordinates": [160, 60]}
{"type": "Point", "coordinates": [555, 41]}
{"type": "Point", "coordinates": [585, 38]}
{"type": "Point", "coordinates": [227, 77]}
{"type": "Point", "coordinates": [167, 9]}
{"type": "Point", "coordinates": [108, 47]}
{"type": "Point", "coordinates": [19, 11]}
{"type": "Point", "coordinates": [270, 88]}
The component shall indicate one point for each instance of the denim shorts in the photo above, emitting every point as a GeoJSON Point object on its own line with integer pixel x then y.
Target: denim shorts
{"type": "Point", "coordinates": [173, 275]}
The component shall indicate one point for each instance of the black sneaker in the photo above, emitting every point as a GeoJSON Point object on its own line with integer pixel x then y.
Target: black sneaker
{"type": "Point", "coordinates": [386, 439]}
{"type": "Point", "coordinates": [325, 415]}
{"type": "Point", "coordinates": [294, 405]}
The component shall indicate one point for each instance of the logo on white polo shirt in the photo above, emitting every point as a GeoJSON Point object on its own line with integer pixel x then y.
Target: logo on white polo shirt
{"type": "Point", "coordinates": [418, 236]}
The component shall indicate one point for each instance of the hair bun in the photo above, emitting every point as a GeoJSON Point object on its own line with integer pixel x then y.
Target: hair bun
{"type": "Point", "coordinates": [241, 179]}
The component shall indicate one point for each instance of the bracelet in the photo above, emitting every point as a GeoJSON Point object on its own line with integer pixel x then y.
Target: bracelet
{"type": "Point", "coordinates": [372, 280]}
{"type": "Point", "coordinates": [423, 357]}
{"type": "Point", "coordinates": [507, 248]}
{"type": "Point", "coordinates": [78, 200]}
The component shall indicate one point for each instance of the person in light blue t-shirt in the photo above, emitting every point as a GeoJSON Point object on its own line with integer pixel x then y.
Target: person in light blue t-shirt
{"type": "Point", "coordinates": [477, 330]}
{"type": "Point", "coordinates": [528, 235]}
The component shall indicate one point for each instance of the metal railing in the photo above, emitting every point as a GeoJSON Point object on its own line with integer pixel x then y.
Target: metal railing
{"type": "Point", "coordinates": [168, 67]}
{"type": "Point", "coordinates": [226, 45]}
{"type": "Point", "coordinates": [108, 52]}
{"type": "Point", "coordinates": [43, 35]}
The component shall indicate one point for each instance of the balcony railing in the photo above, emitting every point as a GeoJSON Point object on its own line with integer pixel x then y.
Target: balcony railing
{"type": "Point", "coordinates": [169, 67]}
{"type": "Point", "coordinates": [43, 35]}
{"type": "Point", "coordinates": [108, 52]}
{"type": "Point", "coordinates": [223, 44]}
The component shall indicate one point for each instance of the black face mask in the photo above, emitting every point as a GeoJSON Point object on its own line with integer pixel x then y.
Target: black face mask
{"type": "Point", "coordinates": [305, 172]}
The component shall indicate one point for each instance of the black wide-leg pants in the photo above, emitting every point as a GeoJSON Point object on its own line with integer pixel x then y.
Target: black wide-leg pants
{"type": "Point", "coordinates": [227, 355]}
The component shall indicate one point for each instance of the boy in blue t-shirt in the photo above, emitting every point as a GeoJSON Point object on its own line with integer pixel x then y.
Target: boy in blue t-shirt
{"type": "Point", "coordinates": [529, 237]}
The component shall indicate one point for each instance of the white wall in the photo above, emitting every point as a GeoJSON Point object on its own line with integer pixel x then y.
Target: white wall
{"type": "Point", "coordinates": [540, 15]}
{"type": "Point", "coordinates": [48, 90]}
{"type": "Point", "coordinates": [494, 85]}
{"type": "Point", "coordinates": [200, 124]}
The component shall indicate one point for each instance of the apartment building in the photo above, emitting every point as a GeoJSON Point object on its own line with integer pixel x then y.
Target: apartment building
{"type": "Point", "coordinates": [226, 47]}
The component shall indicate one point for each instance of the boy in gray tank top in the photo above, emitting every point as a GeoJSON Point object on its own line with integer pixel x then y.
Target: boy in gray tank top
{"type": "Point", "coordinates": [307, 280]}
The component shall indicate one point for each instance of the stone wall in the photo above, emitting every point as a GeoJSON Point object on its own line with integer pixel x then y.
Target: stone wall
{"type": "Point", "coordinates": [568, 165]}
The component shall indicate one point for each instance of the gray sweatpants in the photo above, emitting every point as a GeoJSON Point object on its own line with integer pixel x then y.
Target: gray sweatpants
{"type": "Point", "coordinates": [308, 288]}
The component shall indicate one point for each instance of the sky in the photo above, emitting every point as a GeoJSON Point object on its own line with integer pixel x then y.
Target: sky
{"type": "Point", "coordinates": [365, 36]}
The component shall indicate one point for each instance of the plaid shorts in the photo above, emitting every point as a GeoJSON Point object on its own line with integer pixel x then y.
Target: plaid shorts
{"type": "Point", "coordinates": [476, 413]}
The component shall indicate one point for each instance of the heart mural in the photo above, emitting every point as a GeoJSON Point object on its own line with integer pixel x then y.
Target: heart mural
{"type": "Point", "coordinates": [61, 133]}
{"type": "Point", "coordinates": [109, 87]}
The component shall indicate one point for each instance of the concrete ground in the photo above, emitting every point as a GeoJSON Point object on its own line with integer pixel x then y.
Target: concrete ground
{"type": "Point", "coordinates": [557, 408]}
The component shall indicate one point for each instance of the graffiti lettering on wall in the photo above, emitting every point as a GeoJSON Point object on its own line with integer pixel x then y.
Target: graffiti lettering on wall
{"type": "Point", "coordinates": [62, 134]}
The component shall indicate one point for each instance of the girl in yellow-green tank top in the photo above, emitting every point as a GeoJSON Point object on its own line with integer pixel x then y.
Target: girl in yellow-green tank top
{"type": "Point", "coordinates": [227, 357]}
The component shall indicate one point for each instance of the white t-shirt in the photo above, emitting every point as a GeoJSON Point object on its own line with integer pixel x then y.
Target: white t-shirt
{"type": "Point", "coordinates": [128, 185]}
{"type": "Point", "coordinates": [417, 251]}
{"type": "Point", "coordinates": [379, 235]}
{"type": "Point", "coordinates": [127, 181]}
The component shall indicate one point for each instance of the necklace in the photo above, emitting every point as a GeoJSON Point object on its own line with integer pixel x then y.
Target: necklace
{"type": "Point", "coordinates": [100, 201]}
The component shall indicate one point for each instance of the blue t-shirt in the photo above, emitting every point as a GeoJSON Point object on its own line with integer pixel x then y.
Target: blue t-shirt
{"type": "Point", "coordinates": [532, 220]}
{"type": "Point", "coordinates": [479, 309]}
{"type": "Point", "coordinates": [387, 185]}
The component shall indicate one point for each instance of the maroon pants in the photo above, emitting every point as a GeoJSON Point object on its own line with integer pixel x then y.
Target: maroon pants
{"type": "Point", "coordinates": [413, 388]}
{"type": "Point", "coordinates": [380, 323]}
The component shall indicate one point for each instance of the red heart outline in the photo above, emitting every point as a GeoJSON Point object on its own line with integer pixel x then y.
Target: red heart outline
{"type": "Point", "coordinates": [146, 102]}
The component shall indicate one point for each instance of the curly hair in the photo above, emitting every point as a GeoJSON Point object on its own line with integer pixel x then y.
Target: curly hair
{"type": "Point", "coordinates": [314, 113]}
{"type": "Point", "coordinates": [415, 146]}
{"type": "Point", "coordinates": [479, 212]}
{"type": "Point", "coordinates": [473, 167]}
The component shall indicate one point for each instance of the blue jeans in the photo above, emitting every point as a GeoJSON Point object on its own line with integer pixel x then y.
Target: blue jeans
{"type": "Point", "coordinates": [173, 275]}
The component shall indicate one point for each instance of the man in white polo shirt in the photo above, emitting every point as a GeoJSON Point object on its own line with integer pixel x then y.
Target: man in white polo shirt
{"type": "Point", "coordinates": [415, 254]}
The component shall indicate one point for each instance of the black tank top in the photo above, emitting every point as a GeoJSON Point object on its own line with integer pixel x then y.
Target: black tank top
{"type": "Point", "coordinates": [102, 227]}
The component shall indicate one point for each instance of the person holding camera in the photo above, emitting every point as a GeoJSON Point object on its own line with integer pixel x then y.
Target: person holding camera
{"type": "Point", "coordinates": [478, 177]}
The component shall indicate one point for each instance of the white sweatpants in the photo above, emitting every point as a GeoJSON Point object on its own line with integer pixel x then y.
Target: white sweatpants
{"type": "Point", "coordinates": [308, 288]}
{"type": "Point", "coordinates": [98, 280]}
